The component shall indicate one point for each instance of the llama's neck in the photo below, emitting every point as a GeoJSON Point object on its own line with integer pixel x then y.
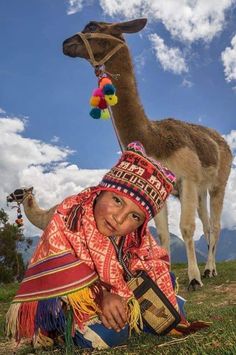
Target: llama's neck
{"type": "Point", "coordinates": [129, 115]}
{"type": "Point", "coordinates": [36, 215]}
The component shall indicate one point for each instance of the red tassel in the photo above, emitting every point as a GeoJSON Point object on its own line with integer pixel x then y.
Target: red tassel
{"type": "Point", "coordinates": [26, 317]}
{"type": "Point", "coordinates": [193, 327]}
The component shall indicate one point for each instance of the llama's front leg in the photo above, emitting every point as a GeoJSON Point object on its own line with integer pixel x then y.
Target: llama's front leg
{"type": "Point", "coordinates": [189, 204]}
{"type": "Point", "coordinates": [204, 215]}
{"type": "Point", "coordinates": [161, 222]}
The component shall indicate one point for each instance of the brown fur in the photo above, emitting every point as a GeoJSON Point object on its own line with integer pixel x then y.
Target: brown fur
{"type": "Point", "coordinates": [199, 156]}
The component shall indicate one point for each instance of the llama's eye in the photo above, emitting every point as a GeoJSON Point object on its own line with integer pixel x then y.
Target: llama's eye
{"type": "Point", "coordinates": [90, 27]}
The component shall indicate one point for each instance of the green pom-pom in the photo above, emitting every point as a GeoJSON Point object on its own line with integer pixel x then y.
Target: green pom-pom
{"type": "Point", "coordinates": [105, 114]}
{"type": "Point", "coordinates": [95, 113]}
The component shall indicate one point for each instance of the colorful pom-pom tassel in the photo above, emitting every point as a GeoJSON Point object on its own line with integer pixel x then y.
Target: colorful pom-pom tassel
{"type": "Point", "coordinates": [95, 113]}
{"type": "Point", "coordinates": [94, 101]}
{"type": "Point", "coordinates": [103, 96]}
{"type": "Point", "coordinates": [102, 103]}
{"type": "Point", "coordinates": [98, 92]}
{"type": "Point", "coordinates": [105, 114]}
{"type": "Point", "coordinates": [111, 100]}
{"type": "Point", "coordinates": [108, 89]}
{"type": "Point", "coordinates": [103, 81]}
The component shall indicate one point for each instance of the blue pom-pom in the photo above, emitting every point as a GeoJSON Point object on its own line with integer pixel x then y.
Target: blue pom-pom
{"type": "Point", "coordinates": [95, 113]}
{"type": "Point", "coordinates": [108, 89]}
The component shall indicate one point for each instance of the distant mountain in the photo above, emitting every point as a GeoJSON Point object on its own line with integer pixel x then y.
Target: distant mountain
{"type": "Point", "coordinates": [226, 248]}
{"type": "Point", "coordinates": [178, 250]}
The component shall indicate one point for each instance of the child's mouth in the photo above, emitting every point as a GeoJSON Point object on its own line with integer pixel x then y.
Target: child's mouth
{"type": "Point", "coordinates": [110, 227]}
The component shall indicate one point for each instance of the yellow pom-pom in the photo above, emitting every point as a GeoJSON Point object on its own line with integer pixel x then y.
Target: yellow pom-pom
{"type": "Point", "coordinates": [105, 114]}
{"type": "Point", "coordinates": [111, 99]}
{"type": "Point", "coordinates": [94, 101]}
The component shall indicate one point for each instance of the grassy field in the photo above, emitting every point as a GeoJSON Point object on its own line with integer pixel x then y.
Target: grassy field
{"type": "Point", "coordinates": [214, 302]}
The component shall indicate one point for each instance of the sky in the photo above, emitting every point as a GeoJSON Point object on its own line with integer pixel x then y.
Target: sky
{"type": "Point", "coordinates": [185, 67]}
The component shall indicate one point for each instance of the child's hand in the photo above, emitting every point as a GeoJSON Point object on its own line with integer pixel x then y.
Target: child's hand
{"type": "Point", "coordinates": [114, 311]}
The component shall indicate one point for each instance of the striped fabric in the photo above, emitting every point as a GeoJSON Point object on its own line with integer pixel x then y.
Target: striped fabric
{"type": "Point", "coordinates": [54, 276]}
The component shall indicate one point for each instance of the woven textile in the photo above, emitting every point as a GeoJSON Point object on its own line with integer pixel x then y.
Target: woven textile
{"type": "Point", "coordinates": [141, 178]}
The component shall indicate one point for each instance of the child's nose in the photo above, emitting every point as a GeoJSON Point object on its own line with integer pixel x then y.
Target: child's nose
{"type": "Point", "coordinates": [120, 217]}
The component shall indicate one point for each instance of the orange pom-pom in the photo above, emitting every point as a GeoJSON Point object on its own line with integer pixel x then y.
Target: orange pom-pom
{"type": "Point", "coordinates": [104, 81]}
{"type": "Point", "coordinates": [94, 101]}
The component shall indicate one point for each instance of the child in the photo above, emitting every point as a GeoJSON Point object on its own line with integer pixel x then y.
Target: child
{"type": "Point", "coordinates": [76, 284]}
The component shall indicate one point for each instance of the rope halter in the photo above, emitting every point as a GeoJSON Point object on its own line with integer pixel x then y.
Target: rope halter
{"type": "Point", "coordinates": [19, 195]}
{"type": "Point", "coordinates": [92, 60]}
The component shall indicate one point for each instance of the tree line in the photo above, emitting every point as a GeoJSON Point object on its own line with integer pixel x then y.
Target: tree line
{"type": "Point", "coordinates": [12, 266]}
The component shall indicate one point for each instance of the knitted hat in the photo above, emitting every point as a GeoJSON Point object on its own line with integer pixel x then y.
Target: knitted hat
{"type": "Point", "coordinates": [140, 178]}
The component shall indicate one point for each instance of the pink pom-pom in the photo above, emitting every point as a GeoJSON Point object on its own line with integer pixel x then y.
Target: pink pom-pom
{"type": "Point", "coordinates": [98, 92]}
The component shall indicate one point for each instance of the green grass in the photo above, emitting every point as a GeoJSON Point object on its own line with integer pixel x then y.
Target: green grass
{"type": "Point", "coordinates": [214, 302]}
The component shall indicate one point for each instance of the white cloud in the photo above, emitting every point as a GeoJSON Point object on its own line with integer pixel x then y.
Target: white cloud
{"type": "Point", "coordinates": [77, 5]}
{"type": "Point", "coordinates": [228, 57]}
{"type": "Point", "coordinates": [23, 164]}
{"type": "Point", "coordinates": [55, 139]}
{"type": "Point", "coordinates": [187, 83]}
{"type": "Point", "coordinates": [171, 59]}
{"type": "Point", "coordinates": [29, 162]}
{"type": "Point", "coordinates": [188, 20]}
{"type": "Point", "coordinates": [231, 139]}
{"type": "Point", "coordinates": [140, 61]}
{"type": "Point", "coordinates": [2, 111]}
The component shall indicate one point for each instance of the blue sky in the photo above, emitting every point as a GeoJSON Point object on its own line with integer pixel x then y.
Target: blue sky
{"type": "Point", "coordinates": [185, 65]}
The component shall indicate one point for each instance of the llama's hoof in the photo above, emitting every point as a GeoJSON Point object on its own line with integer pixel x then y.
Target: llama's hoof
{"type": "Point", "coordinates": [214, 273]}
{"type": "Point", "coordinates": [194, 284]}
{"type": "Point", "coordinates": [207, 273]}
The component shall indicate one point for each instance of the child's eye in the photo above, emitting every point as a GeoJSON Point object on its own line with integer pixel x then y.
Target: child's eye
{"type": "Point", "coordinates": [117, 199]}
{"type": "Point", "coordinates": [136, 217]}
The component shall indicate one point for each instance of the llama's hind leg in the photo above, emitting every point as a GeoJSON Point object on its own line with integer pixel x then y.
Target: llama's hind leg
{"type": "Point", "coordinates": [216, 205]}
{"type": "Point", "coordinates": [189, 205]}
{"type": "Point", "coordinates": [204, 215]}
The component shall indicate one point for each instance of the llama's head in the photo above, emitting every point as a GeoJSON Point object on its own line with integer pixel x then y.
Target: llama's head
{"type": "Point", "coordinates": [19, 195]}
{"type": "Point", "coordinates": [98, 39]}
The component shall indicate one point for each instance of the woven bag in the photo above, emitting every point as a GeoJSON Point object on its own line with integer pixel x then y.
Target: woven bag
{"type": "Point", "coordinates": [157, 311]}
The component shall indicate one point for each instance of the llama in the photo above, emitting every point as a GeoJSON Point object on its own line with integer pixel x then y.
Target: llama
{"type": "Point", "coordinates": [37, 216]}
{"type": "Point", "coordinates": [199, 156]}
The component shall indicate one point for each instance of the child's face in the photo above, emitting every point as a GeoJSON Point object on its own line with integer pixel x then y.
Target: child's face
{"type": "Point", "coordinates": [116, 215]}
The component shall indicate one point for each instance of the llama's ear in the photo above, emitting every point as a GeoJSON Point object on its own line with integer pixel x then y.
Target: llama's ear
{"type": "Point", "coordinates": [131, 26]}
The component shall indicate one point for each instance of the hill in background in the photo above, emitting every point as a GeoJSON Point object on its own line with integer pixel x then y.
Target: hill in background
{"type": "Point", "coordinates": [226, 249]}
